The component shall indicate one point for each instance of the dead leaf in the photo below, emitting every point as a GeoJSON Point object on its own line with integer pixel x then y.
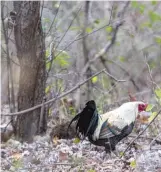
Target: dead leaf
{"type": "Point", "coordinates": [17, 156]}
{"type": "Point", "coordinates": [55, 140]}
{"type": "Point", "coordinates": [63, 156]}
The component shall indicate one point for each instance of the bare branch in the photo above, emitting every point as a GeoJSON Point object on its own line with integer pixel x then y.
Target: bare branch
{"type": "Point", "coordinates": [150, 73]}
{"type": "Point", "coordinates": [111, 76]}
{"type": "Point", "coordinates": [53, 20]}
{"type": "Point", "coordinates": [105, 49]}
{"type": "Point", "coordinates": [68, 27]}
{"type": "Point", "coordinates": [125, 70]}
{"type": "Point", "coordinates": [79, 38]}
{"type": "Point", "coordinates": [54, 99]}
{"type": "Point", "coordinates": [58, 97]}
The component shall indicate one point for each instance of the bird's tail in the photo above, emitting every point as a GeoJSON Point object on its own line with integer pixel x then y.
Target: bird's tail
{"type": "Point", "coordinates": [76, 118]}
{"type": "Point", "coordinates": [86, 120]}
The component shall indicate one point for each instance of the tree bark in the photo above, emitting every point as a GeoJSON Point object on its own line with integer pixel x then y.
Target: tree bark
{"type": "Point", "coordinates": [30, 52]}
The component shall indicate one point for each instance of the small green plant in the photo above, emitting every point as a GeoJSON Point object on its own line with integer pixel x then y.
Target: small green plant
{"type": "Point", "coordinates": [133, 164]}
{"type": "Point", "coordinates": [17, 163]}
{"type": "Point", "coordinates": [76, 140]}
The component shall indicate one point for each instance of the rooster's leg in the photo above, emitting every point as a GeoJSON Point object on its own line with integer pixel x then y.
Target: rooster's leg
{"type": "Point", "coordinates": [109, 147]}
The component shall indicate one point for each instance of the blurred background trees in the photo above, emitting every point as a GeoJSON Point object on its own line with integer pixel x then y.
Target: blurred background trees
{"type": "Point", "coordinates": [80, 39]}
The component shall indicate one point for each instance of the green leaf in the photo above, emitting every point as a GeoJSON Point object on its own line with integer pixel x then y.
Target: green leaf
{"type": "Point", "coordinates": [146, 24]}
{"type": "Point", "coordinates": [141, 8]}
{"type": "Point", "coordinates": [72, 111]}
{"type": "Point", "coordinates": [158, 40]}
{"type": "Point", "coordinates": [75, 28]}
{"type": "Point", "coordinates": [17, 163]}
{"type": "Point", "coordinates": [94, 79]}
{"type": "Point", "coordinates": [47, 53]}
{"type": "Point", "coordinates": [154, 17]}
{"type": "Point", "coordinates": [97, 21]}
{"type": "Point", "coordinates": [62, 59]}
{"type": "Point", "coordinates": [56, 5]}
{"type": "Point", "coordinates": [152, 64]}
{"type": "Point", "coordinates": [109, 29]}
{"type": "Point", "coordinates": [149, 107]}
{"type": "Point", "coordinates": [117, 43]}
{"type": "Point", "coordinates": [134, 4]}
{"type": "Point", "coordinates": [47, 89]}
{"type": "Point", "coordinates": [50, 111]}
{"type": "Point", "coordinates": [109, 37]}
{"type": "Point", "coordinates": [46, 20]}
{"type": "Point", "coordinates": [48, 64]}
{"type": "Point", "coordinates": [154, 2]}
{"type": "Point", "coordinates": [133, 164]}
{"type": "Point", "coordinates": [122, 58]}
{"type": "Point", "coordinates": [91, 170]}
{"type": "Point", "coordinates": [76, 140]}
{"type": "Point", "coordinates": [88, 30]}
{"type": "Point", "coordinates": [152, 116]}
{"type": "Point", "coordinates": [121, 153]}
{"type": "Point", "coordinates": [158, 93]}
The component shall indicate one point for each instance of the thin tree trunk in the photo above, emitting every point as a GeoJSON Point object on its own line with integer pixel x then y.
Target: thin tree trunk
{"type": "Point", "coordinates": [85, 49]}
{"type": "Point", "coordinates": [30, 51]}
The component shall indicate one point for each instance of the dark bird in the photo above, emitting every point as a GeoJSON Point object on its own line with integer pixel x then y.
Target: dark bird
{"type": "Point", "coordinates": [109, 128]}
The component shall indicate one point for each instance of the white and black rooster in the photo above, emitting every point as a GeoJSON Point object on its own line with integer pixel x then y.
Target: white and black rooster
{"type": "Point", "coordinates": [109, 128]}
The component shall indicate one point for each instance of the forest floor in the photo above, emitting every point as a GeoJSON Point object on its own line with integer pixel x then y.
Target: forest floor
{"type": "Point", "coordinates": [48, 153]}
{"type": "Point", "coordinates": [72, 155]}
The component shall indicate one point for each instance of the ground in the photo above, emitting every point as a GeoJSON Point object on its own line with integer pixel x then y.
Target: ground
{"type": "Point", "coordinates": [61, 155]}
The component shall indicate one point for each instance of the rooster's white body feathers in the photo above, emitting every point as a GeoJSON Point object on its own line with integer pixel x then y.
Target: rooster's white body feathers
{"type": "Point", "coordinates": [116, 119]}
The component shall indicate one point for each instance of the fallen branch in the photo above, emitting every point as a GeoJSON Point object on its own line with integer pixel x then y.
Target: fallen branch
{"type": "Point", "coordinates": [141, 133]}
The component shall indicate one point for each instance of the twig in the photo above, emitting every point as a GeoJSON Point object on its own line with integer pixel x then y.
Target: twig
{"type": "Point", "coordinates": [150, 73]}
{"type": "Point", "coordinates": [41, 115]}
{"type": "Point", "coordinates": [77, 39]}
{"type": "Point", "coordinates": [143, 137]}
{"type": "Point", "coordinates": [126, 72]}
{"type": "Point", "coordinates": [68, 27]}
{"type": "Point", "coordinates": [5, 128]}
{"type": "Point", "coordinates": [53, 20]}
{"type": "Point", "coordinates": [111, 76]}
{"type": "Point", "coordinates": [141, 132]}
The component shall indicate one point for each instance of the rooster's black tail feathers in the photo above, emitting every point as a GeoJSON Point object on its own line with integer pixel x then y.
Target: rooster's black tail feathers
{"type": "Point", "coordinates": [86, 120]}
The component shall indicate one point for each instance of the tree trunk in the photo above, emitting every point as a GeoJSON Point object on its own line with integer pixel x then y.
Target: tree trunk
{"type": "Point", "coordinates": [30, 52]}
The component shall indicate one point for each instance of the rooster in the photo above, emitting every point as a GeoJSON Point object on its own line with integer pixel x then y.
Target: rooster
{"type": "Point", "coordinates": [109, 128]}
